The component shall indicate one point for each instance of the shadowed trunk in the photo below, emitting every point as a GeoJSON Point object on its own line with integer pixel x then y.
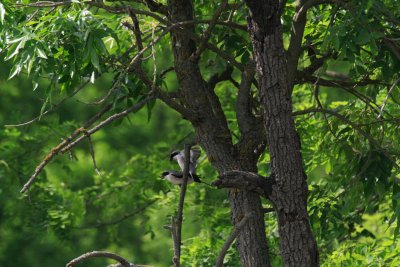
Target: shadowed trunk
{"type": "Point", "coordinates": [214, 136]}
{"type": "Point", "coordinates": [289, 197]}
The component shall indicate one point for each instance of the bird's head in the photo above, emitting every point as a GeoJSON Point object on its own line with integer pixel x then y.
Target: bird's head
{"type": "Point", "coordinates": [164, 174]}
{"type": "Point", "coordinates": [173, 155]}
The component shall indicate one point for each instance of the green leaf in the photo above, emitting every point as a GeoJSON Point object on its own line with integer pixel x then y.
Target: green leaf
{"type": "Point", "coordinates": [16, 69]}
{"type": "Point", "coordinates": [95, 60]}
{"type": "Point", "coordinates": [2, 13]}
{"type": "Point", "coordinates": [92, 78]}
{"type": "Point", "coordinates": [41, 53]}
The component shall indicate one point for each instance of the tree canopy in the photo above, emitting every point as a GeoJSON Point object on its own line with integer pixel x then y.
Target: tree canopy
{"type": "Point", "coordinates": [92, 105]}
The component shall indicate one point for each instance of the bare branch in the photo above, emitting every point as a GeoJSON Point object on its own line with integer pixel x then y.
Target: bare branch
{"type": "Point", "coordinates": [179, 218]}
{"type": "Point", "coordinates": [235, 232]}
{"type": "Point", "coordinates": [99, 254]}
{"type": "Point", "coordinates": [110, 119]}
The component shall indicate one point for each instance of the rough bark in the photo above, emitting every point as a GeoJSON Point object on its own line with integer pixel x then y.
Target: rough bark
{"type": "Point", "coordinates": [213, 135]}
{"type": "Point", "coordinates": [289, 196]}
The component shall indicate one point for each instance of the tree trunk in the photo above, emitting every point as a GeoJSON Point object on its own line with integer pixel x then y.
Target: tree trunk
{"type": "Point", "coordinates": [289, 197]}
{"type": "Point", "coordinates": [214, 136]}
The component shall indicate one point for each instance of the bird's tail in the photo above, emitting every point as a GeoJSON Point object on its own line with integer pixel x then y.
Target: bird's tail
{"type": "Point", "coordinates": [196, 178]}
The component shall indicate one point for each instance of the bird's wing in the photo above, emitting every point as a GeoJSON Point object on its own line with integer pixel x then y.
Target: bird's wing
{"type": "Point", "coordinates": [176, 173]}
{"type": "Point", "coordinates": [195, 155]}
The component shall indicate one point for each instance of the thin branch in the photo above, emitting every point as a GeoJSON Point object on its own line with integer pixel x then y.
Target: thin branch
{"type": "Point", "coordinates": [91, 149]}
{"type": "Point", "coordinates": [121, 219]}
{"type": "Point", "coordinates": [110, 119]}
{"type": "Point", "coordinates": [55, 106]}
{"type": "Point", "coordinates": [179, 218]}
{"type": "Point", "coordinates": [235, 232]}
{"type": "Point", "coordinates": [99, 254]}
{"type": "Point", "coordinates": [387, 97]}
{"type": "Point", "coordinates": [207, 34]}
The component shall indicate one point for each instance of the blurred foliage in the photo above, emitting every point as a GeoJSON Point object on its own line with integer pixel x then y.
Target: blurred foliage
{"type": "Point", "coordinates": [353, 181]}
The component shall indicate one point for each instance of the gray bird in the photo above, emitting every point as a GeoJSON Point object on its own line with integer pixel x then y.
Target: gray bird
{"type": "Point", "coordinates": [175, 177]}
{"type": "Point", "coordinates": [179, 156]}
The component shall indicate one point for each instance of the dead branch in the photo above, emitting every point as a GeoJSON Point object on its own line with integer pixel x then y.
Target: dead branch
{"type": "Point", "coordinates": [235, 232]}
{"type": "Point", "coordinates": [100, 254]}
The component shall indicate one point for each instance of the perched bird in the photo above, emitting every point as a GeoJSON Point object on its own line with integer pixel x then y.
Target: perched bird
{"type": "Point", "coordinates": [179, 156]}
{"type": "Point", "coordinates": [175, 177]}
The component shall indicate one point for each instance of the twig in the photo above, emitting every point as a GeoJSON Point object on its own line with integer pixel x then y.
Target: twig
{"type": "Point", "coordinates": [110, 119]}
{"type": "Point", "coordinates": [207, 34]}
{"type": "Point", "coordinates": [121, 219]}
{"type": "Point", "coordinates": [387, 97]}
{"type": "Point", "coordinates": [55, 106]}
{"type": "Point", "coordinates": [235, 232]}
{"type": "Point", "coordinates": [177, 225]}
{"type": "Point", "coordinates": [99, 254]}
{"type": "Point", "coordinates": [91, 149]}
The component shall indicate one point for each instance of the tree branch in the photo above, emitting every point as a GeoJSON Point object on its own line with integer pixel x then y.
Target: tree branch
{"type": "Point", "coordinates": [224, 76]}
{"type": "Point", "coordinates": [53, 107]}
{"type": "Point", "coordinates": [245, 118]}
{"type": "Point", "coordinates": [296, 34]}
{"type": "Point", "coordinates": [121, 219]}
{"type": "Point", "coordinates": [67, 144]}
{"type": "Point", "coordinates": [235, 232]}
{"type": "Point", "coordinates": [207, 34]}
{"type": "Point", "coordinates": [99, 254]}
{"type": "Point", "coordinates": [177, 226]}
{"type": "Point", "coordinates": [110, 119]}
{"type": "Point", "coordinates": [246, 181]}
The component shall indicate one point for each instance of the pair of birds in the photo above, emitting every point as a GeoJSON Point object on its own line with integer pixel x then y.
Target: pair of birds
{"type": "Point", "coordinates": [176, 177]}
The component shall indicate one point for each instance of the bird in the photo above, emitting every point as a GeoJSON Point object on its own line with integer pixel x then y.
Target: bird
{"type": "Point", "coordinates": [179, 156]}
{"type": "Point", "coordinates": [175, 177]}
